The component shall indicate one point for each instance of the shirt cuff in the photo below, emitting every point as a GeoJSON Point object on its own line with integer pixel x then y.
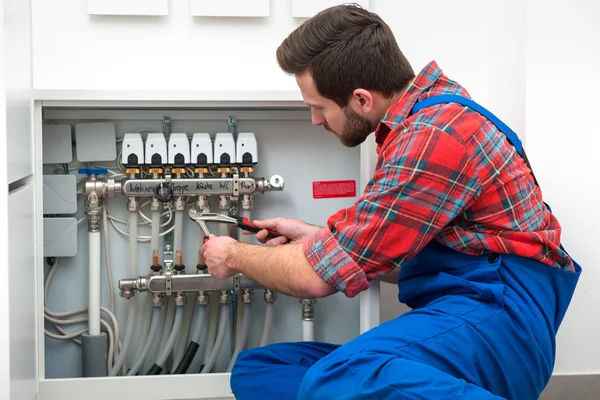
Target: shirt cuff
{"type": "Point", "coordinates": [333, 264]}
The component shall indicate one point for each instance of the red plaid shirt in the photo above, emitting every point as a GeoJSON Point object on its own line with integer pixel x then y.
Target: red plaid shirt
{"type": "Point", "coordinates": [444, 173]}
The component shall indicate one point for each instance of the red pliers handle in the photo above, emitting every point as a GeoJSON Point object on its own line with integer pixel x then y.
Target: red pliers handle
{"type": "Point", "coordinates": [246, 224]}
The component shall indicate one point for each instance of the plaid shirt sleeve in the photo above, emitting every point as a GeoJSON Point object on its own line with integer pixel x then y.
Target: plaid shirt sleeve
{"type": "Point", "coordinates": [423, 180]}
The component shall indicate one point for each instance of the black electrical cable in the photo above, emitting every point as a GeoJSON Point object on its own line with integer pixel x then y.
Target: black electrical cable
{"type": "Point", "coordinates": [188, 357]}
{"type": "Point", "coordinates": [163, 192]}
{"type": "Point", "coordinates": [154, 370]}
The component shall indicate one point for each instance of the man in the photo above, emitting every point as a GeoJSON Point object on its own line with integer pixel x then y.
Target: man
{"type": "Point", "coordinates": [452, 206]}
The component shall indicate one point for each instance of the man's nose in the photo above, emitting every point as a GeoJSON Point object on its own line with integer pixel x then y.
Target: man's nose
{"type": "Point", "coordinates": [317, 118]}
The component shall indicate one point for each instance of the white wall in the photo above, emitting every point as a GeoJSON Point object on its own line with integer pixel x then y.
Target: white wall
{"type": "Point", "coordinates": [4, 332]}
{"type": "Point", "coordinates": [496, 49]}
{"type": "Point", "coordinates": [563, 82]}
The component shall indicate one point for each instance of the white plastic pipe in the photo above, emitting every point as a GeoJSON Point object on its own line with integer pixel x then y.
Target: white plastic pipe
{"type": "Point", "coordinates": [212, 326]}
{"type": "Point", "coordinates": [178, 232]}
{"type": "Point", "coordinates": [241, 341]}
{"type": "Point", "coordinates": [133, 252]}
{"type": "Point", "coordinates": [266, 334]}
{"type": "Point", "coordinates": [172, 337]}
{"type": "Point", "coordinates": [148, 343]}
{"type": "Point", "coordinates": [128, 336]}
{"type": "Point", "coordinates": [168, 323]}
{"type": "Point", "coordinates": [221, 333]}
{"type": "Point", "coordinates": [155, 233]}
{"type": "Point", "coordinates": [94, 284]}
{"type": "Point", "coordinates": [308, 331]}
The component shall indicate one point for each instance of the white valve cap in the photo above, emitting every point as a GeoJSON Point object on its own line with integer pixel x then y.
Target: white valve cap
{"type": "Point", "coordinates": [156, 149]}
{"type": "Point", "coordinates": [224, 149]}
{"type": "Point", "coordinates": [179, 149]}
{"type": "Point", "coordinates": [202, 149]}
{"type": "Point", "coordinates": [247, 149]}
{"type": "Point", "coordinates": [132, 152]}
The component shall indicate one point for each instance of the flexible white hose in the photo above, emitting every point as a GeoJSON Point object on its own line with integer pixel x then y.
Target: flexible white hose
{"type": "Point", "coordinates": [240, 308]}
{"type": "Point", "coordinates": [155, 348]}
{"type": "Point", "coordinates": [269, 313]}
{"type": "Point", "coordinates": [245, 330]}
{"type": "Point", "coordinates": [109, 277]}
{"type": "Point", "coordinates": [171, 342]}
{"type": "Point", "coordinates": [94, 284]}
{"type": "Point", "coordinates": [221, 332]}
{"type": "Point", "coordinates": [133, 254]}
{"type": "Point", "coordinates": [167, 324]}
{"type": "Point", "coordinates": [214, 312]}
{"type": "Point", "coordinates": [308, 331]}
{"type": "Point", "coordinates": [155, 233]}
{"type": "Point", "coordinates": [149, 340]}
{"type": "Point", "coordinates": [178, 232]}
{"type": "Point", "coordinates": [198, 328]}
{"type": "Point", "coordinates": [182, 340]}
{"type": "Point", "coordinates": [128, 336]}
{"type": "Point", "coordinates": [212, 326]}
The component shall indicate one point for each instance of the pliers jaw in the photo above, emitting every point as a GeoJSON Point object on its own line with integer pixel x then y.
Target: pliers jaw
{"type": "Point", "coordinates": [202, 217]}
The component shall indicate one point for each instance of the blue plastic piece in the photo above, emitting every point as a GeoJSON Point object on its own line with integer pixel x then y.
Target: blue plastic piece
{"type": "Point", "coordinates": [93, 171]}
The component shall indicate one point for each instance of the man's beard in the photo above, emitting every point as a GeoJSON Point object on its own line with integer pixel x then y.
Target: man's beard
{"type": "Point", "coordinates": [356, 129]}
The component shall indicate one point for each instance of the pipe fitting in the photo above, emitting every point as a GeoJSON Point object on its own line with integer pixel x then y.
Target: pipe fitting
{"type": "Point", "coordinates": [225, 297]}
{"type": "Point", "coordinates": [270, 296]}
{"type": "Point", "coordinates": [224, 203]}
{"type": "Point", "coordinates": [203, 298]}
{"type": "Point", "coordinates": [158, 300]}
{"type": "Point", "coordinates": [247, 202]}
{"type": "Point", "coordinates": [133, 205]}
{"type": "Point", "coordinates": [180, 299]}
{"type": "Point", "coordinates": [202, 203]}
{"type": "Point", "coordinates": [308, 309]}
{"type": "Point", "coordinates": [155, 204]}
{"type": "Point", "coordinates": [247, 296]}
{"type": "Point", "coordinates": [179, 204]}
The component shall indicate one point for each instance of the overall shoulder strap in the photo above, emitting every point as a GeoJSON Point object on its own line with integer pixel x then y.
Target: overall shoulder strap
{"type": "Point", "coordinates": [511, 136]}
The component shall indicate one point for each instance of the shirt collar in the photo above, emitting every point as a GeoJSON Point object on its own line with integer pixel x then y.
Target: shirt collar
{"type": "Point", "coordinates": [400, 110]}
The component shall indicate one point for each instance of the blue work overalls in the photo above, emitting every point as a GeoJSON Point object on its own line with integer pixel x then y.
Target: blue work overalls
{"type": "Point", "coordinates": [481, 327]}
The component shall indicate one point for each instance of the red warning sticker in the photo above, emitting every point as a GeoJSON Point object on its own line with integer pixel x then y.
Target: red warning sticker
{"type": "Point", "coordinates": [334, 189]}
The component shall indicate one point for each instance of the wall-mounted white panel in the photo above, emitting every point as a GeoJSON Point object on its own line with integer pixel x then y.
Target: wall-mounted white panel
{"type": "Point", "coordinates": [308, 8]}
{"type": "Point", "coordinates": [60, 194]}
{"type": "Point", "coordinates": [18, 82]}
{"type": "Point", "coordinates": [57, 144]}
{"type": "Point", "coordinates": [21, 228]}
{"type": "Point", "coordinates": [95, 141]}
{"type": "Point", "coordinates": [60, 237]}
{"type": "Point", "coordinates": [230, 8]}
{"type": "Point", "coordinates": [128, 7]}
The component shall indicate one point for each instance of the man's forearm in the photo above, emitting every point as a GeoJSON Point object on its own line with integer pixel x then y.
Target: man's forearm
{"type": "Point", "coordinates": [283, 269]}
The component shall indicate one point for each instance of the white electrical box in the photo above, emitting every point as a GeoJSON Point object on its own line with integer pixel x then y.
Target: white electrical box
{"type": "Point", "coordinates": [132, 151]}
{"type": "Point", "coordinates": [308, 8]}
{"type": "Point", "coordinates": [60, 194]}
{"type": "Point", "coordinates": [230, 8]}
{"type": "Point", "coordinates": [57, 144]}
{"type": "Point", "coordinates": [247, 149]}
{"type": "Point", "coordinates": [60, 237]}
{"type": "Point", "coordinates": [156, 149]}
{"type": "Point", "coordinates": [95, 141]}
{"type": "Point", "coordinates": [128, 7]}
{"type": "Point", "coordinates": [202, 149]}
{"type": "Point", "coordinates": [224, 149]}
{"type": "Point", "coordinates": [179, 149]}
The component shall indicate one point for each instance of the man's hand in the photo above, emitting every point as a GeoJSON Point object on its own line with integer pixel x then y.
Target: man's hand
{"type": "Point", "coordinates": [218, 252]}
{"type": "Point", "coordinates": [295, 230]}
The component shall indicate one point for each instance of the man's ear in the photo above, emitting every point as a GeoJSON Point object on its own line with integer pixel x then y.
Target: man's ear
{"type": "Point", "coordinates": [362, 100]}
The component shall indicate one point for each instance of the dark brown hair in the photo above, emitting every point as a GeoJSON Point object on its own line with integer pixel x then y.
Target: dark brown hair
{"type": "Point", "coordinates": [345, 48]}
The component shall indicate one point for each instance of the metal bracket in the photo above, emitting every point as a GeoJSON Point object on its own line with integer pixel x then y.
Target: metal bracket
{"type": "Point", "coordinates": [168, 277]}
{"type": "Point", "coordinates": [236, 187]}
{"type": "Point", "coordinates": [236, 283]}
